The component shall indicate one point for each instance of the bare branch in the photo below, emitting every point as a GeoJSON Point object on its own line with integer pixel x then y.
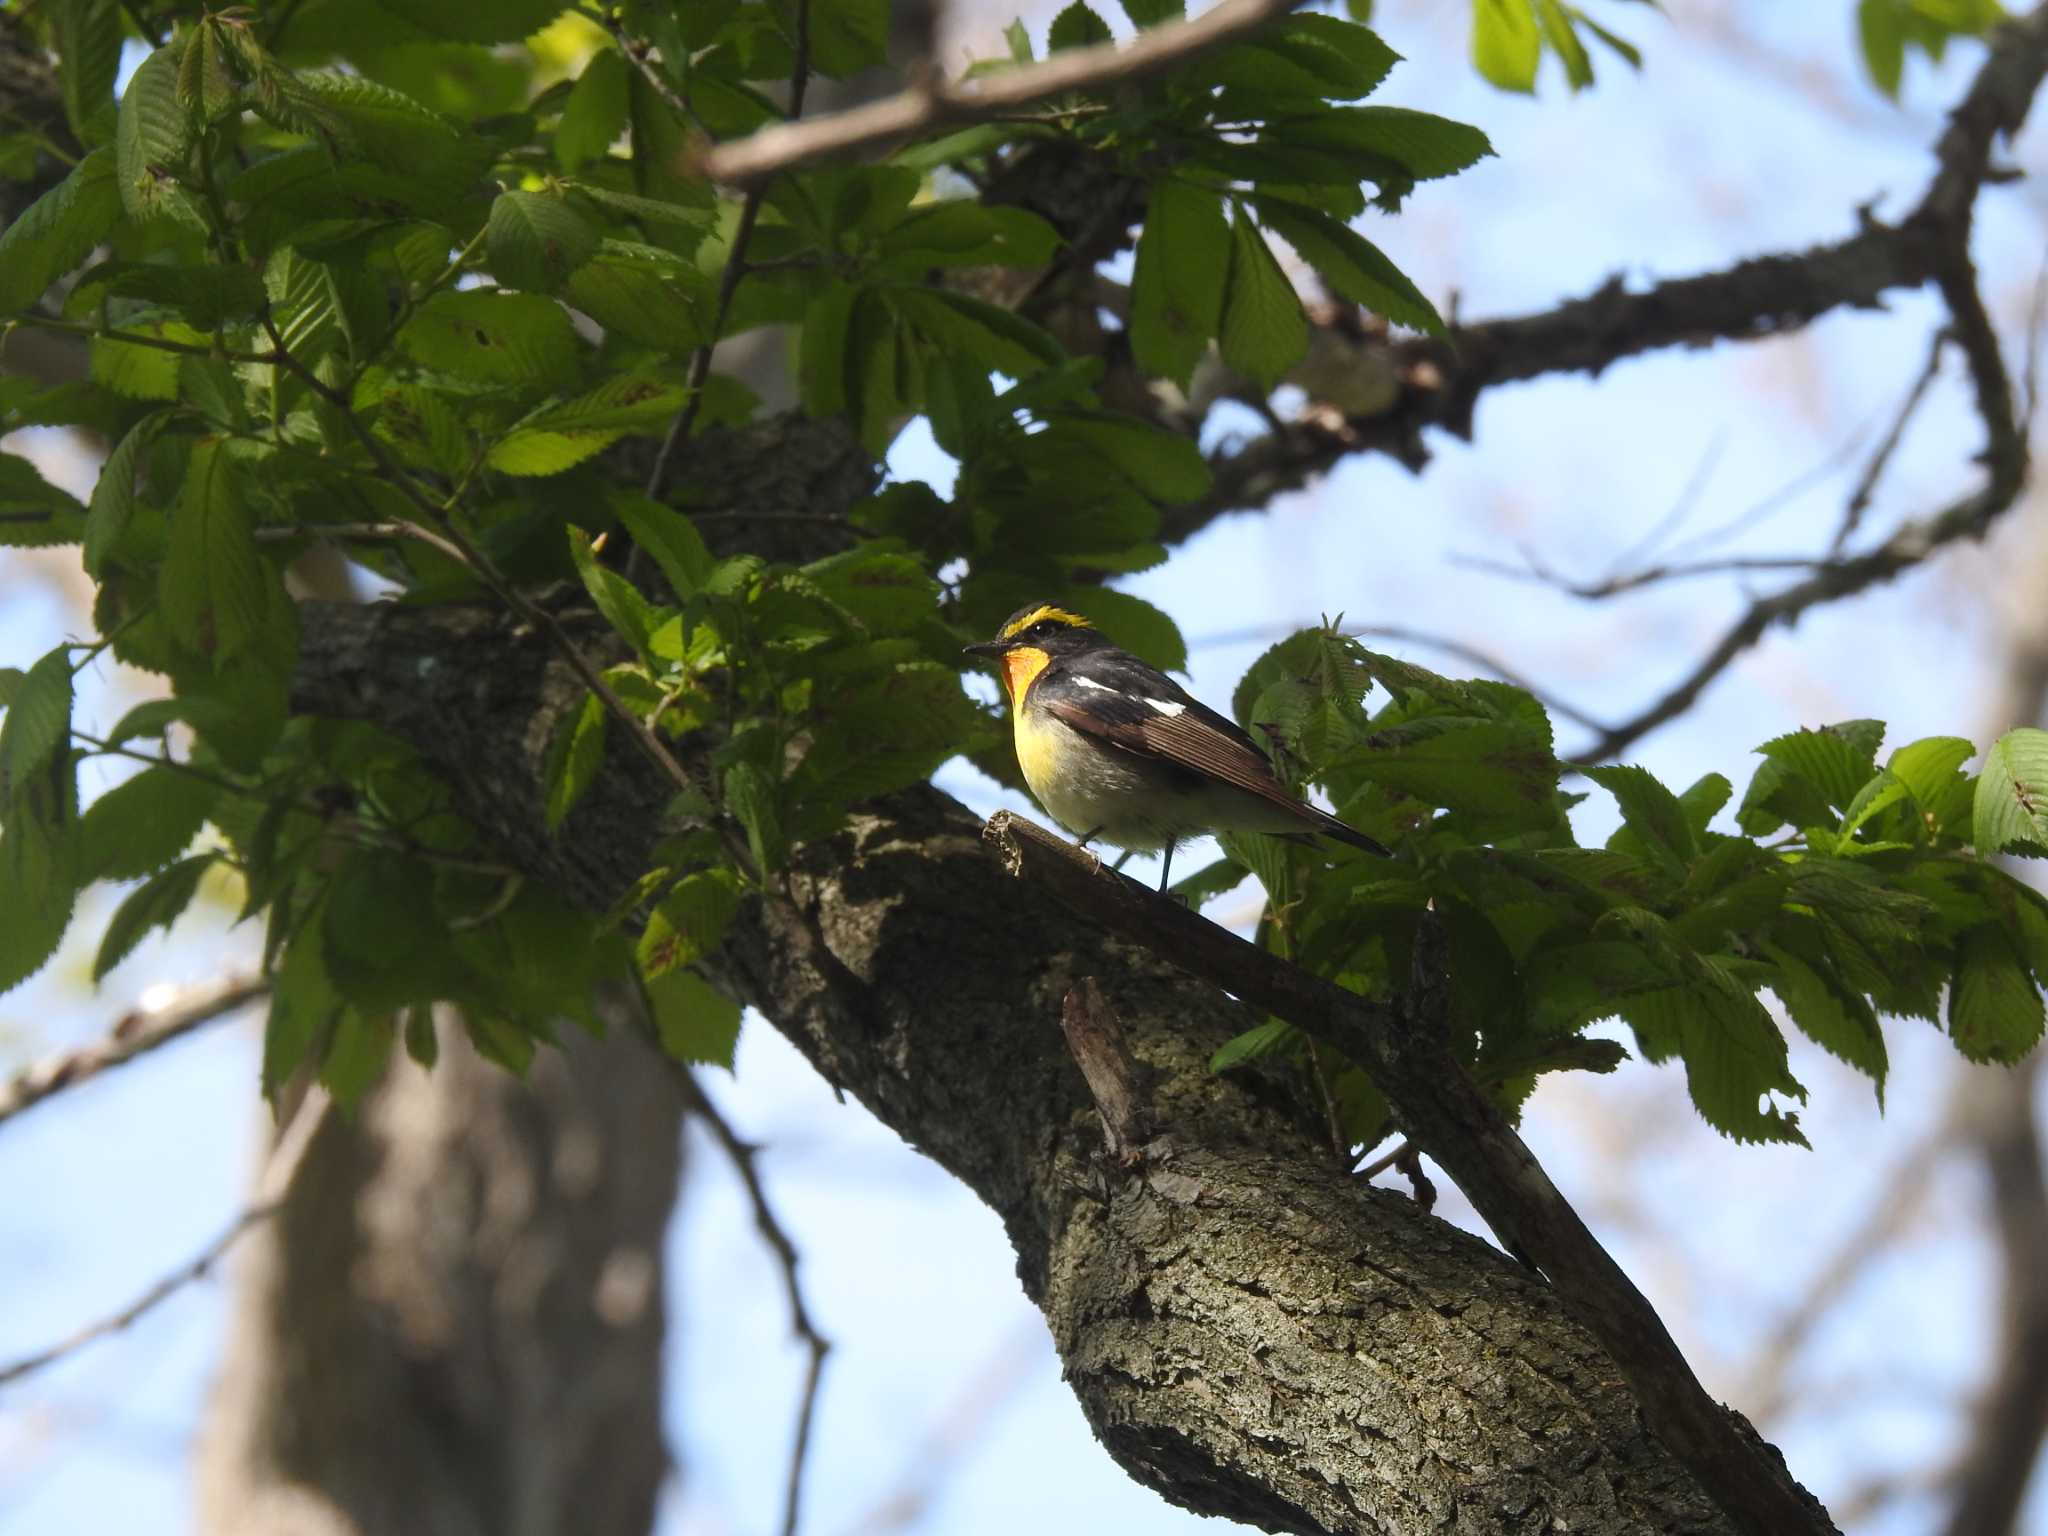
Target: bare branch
{"type": "Point", "coordinates": [276, 1184]}
{"type": "Point", "coordinates": [1439, 382]}
{"type": "Point", "coordinates": [134, 1034]}
{"type": "Point", "coordinates": [1866, 484]}
{"type": "Point", "coordinates": [940, 103]}
{"type": "Point", "coordinates": [741, 1154]}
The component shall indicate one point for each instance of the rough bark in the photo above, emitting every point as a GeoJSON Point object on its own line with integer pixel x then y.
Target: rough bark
{"type": "Point", "coordinates": [455, 1326]}
{"type": "Point", "coordinates": [1250, 1332]}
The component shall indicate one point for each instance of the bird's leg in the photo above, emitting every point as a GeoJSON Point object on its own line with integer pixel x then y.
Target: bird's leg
{"type": "Point", "coordinates": [1123, 858]}
{"type": "Point", "coordinates": [1090, 837]}
{"type": "Point", "coordinates": [1165, 869]}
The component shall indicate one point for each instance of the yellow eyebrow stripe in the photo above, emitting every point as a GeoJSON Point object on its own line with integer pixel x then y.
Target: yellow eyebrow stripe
{"type": "Point", "coordinates": [1038, 615]}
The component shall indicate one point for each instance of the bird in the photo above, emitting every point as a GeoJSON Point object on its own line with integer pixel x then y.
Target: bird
{"type": "Point", "coordinates": [1115, 749]}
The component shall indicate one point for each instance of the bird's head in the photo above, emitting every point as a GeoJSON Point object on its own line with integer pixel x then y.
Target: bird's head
{"type": "Point", "coordinates": [1031, 637]}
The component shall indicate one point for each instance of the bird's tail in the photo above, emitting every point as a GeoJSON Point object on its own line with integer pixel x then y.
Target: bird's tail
{"type": "Point", "coordinates": [1330, 827]}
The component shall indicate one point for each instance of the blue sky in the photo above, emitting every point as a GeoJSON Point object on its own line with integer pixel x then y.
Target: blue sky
{"type": "Point", "coordinates": [1704, 158]}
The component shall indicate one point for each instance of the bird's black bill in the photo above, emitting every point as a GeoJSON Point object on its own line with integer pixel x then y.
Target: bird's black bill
{"type": "Point", "coordinates": [984, 648]}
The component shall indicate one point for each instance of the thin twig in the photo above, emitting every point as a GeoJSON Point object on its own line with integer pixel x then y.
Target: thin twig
{"type": "Point", "coordinates": [736, 267]}
{"type": "Point", "coordinates": [1880, 460]}
{"type": "Point", "coordinates": [278, 1173]}
{"type": "Point", "coordinates": [134, 1034]}
{"type": "Point", "coordinates": [938, 103]}
{"type": "Point", "coordinates": [1533, 570]}
{"type": "Point", "coordinates": [741, 1154]}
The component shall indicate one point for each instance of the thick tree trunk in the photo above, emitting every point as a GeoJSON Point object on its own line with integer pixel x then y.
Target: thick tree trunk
{"type": "Point", "coordinates": [455, 1326]}
{"type": "Point", "coordinates": [1250, 1332]}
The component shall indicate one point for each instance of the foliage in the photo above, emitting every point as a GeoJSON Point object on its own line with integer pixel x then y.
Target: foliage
{"type": "Point", "coordinates": [1889, 29]}
{"type": "Point", "coordinates": [387, 275]}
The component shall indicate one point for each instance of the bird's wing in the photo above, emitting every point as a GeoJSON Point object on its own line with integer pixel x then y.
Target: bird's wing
{"type": "Point", "coordinates": [1131, 707]}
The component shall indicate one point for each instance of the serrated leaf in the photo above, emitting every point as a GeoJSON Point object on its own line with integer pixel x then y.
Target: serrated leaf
{"type": "Point", "coordinates": [595, 114]}
{"type": "Point", "coordinates": [1076, 27]}
{"type": "Point", "coordinates": [1150, 13]}
{"type": "Point", "coordinates": [535, 240]}
{"type": "Point", "coordinates": [574, 758]}
{"type": "Point", "coordinates": [214, 589]}
{"type": "Point", "coordinates": [670, 537]}
{"type": "Point", "coordinates": [1930, 767]}
{"type": "Point", "coordinates": [1563, 37]}
{"type": "Point", "coordinates": [58, 230]}
{"type": "Point", "coordinates": [962, 232]}
{"type": "Point", "coordinates": [303, 1006]}
{"type": "Point", "coordinates": [1994, 1007]}
{"type": "Point", "coordinates": [689, 923]}
{"type": "Point", "coordinates": [153, 137]}
{"type": "Point", "coordinates": [2011, 812]}
{"type": "Point", "coordinates": [144, 823]}
{"type": "Point", "coordinates": [88, 38]}
{"type": "Point", "coordinates": [156, 904]}
{"type": "Point", "coordinates": [38, 721]}
{"type": "Point", "coordinates": [1261, 1040]}
{"type": "Point", "coordinates": [1264, 332]}
{"type": "Point", "coordinates": [696, 1023]}
{"type": "Point", "coordinates": [493, 337]}
{"type": "Point", "coordinates": [1347, 60]}
{"type": "Point", "coordinates": [560, 436]}
{"type": "Point", "coordinates": [1352, 265]}
{"type": "Point", "coordinates": [630, 614]}
{"type": "Point", "coordinates": [1178, 282]}
{"type": "Point", "coordinates": [1649, 810]}
{"type": "Point", "coordinates": [33, 512]}
{"type": "Point", "coordinates": [997, 338]}
{"type": "Point", "coordinates": [642, 296]}
{"type": "Point", "coordinates": [1840, 1021]}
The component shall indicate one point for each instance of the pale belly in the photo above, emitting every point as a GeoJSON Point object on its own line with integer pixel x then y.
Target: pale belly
{"type": "Point", "coordinates": [1098, 792]}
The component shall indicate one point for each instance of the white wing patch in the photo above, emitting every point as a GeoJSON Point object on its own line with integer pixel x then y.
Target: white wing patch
{"type": "Point", "coordinates": [1082, 680]}
{"type": "Point", "coordinates": [1167, 707]}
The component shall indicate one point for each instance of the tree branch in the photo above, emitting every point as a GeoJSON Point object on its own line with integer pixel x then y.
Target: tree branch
{"type": "Point", "coordinates": [1250, 1332]}
{"type": "Point", "coordinates": [278, 1174]}
{"type": "Point", "coordinates": [941, 103]}
{"type": "Point", "coordinates": [1403, 1047]}
{"type": "Point", "coordinates": [1439, 382]}
{"type": "Point", "coordinates": [135, 1033]}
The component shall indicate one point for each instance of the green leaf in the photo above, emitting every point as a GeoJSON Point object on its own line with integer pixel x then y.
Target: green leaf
{"type": "Point", "coordinates": [33, 512]}
{"type": "Point", "coordinates": [1563, 38]}
{"type": "Point", "coordinates": [1834, 1017]}
{"type": "Point", "coordinates": [1422, 144]}
{"type": "Point", "coordinates": [1150, 13]}
{"type": "Point", "coordinates": [1703, 800]}
{"type": "Point", "coordinates": [1650, 811]}
{"type": "Point", "coordinates": [959, 232]}
{"type": "Point", "coordinates": [1994, 1007]}
{"type": "Point", "coordinates": [215, 592]}
{"type": "Point", "coordinates": [1178, 282]}
{"type": "Point", "coordinates": [152, 139]}
{"type": "Point", "coordinates": [1880, 25]}
{"type": "Point", "coordinates": [753, 799]}
{"type": "Point", "coordinates": [303, 1005]}
{"type": "Point", "coordinates": [143, 823]}
{"type": "Point", "coordinates": [58, 230]}
{"type": "Point", "coordinates": [1836, 760]}
{"type": "Point", "coordinates": [890, 593]}
{"type": "Point", "coordinates": [1261, 1040]}
{"type": "Point", "coordinates": [643, 294]}
{"type": "Point", "coordinates": [574, 758]}
{"type": "Point", "coordinates": [2011, 814]}
{"type": "Point", "coordinates": [38, 879]}
{"type": "Point", "coordinates": [1488, 768]}
{"type": "Point", "coordinates": [1135, 625]}
{"type": "Point", "coordinates": [595, 114]}
{"type": "Point", "coordinates": [1166, 465]}
{"type": "Point", "coordinates": [493, 337]}
{"type": "Point", "coordinates": [1506, 44]}
{"type": "Point", "coordinates": [630, 614]}
{"type": "Point", "coordinates": [356, 1053]}
{"type": "Point", "coordinates": [1930, 768]}
{"type": "Point", "coordinates": [157, 904]}
{"type": "Point", "coordinates": [689, 923]}
{"type": "Point", "coordinates": [1264, 331]}
{"type": "Point", "coordinates": [1346, 59]}
{"type": "Point", "coordinates": [1352, 265]}
{"type": "Point", "coordinates": [535, 240]}
{"type": "Point", "coordinates": [558, 437]}
{"type": "Point", "coordinates": [959, 323]}
{"type": "Point", "coordinates": [38, 721]}
{"type": "Point", "coordinates": [88, 38]}
{"type": "Point", "coordinates": [697, 1024]}
{"type": "Point", "coordinates": [1076, 27]}
{"type": "Point", "coordinates": [848, 36]}
{"type": "Point", "coordinates": [670, 537]}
